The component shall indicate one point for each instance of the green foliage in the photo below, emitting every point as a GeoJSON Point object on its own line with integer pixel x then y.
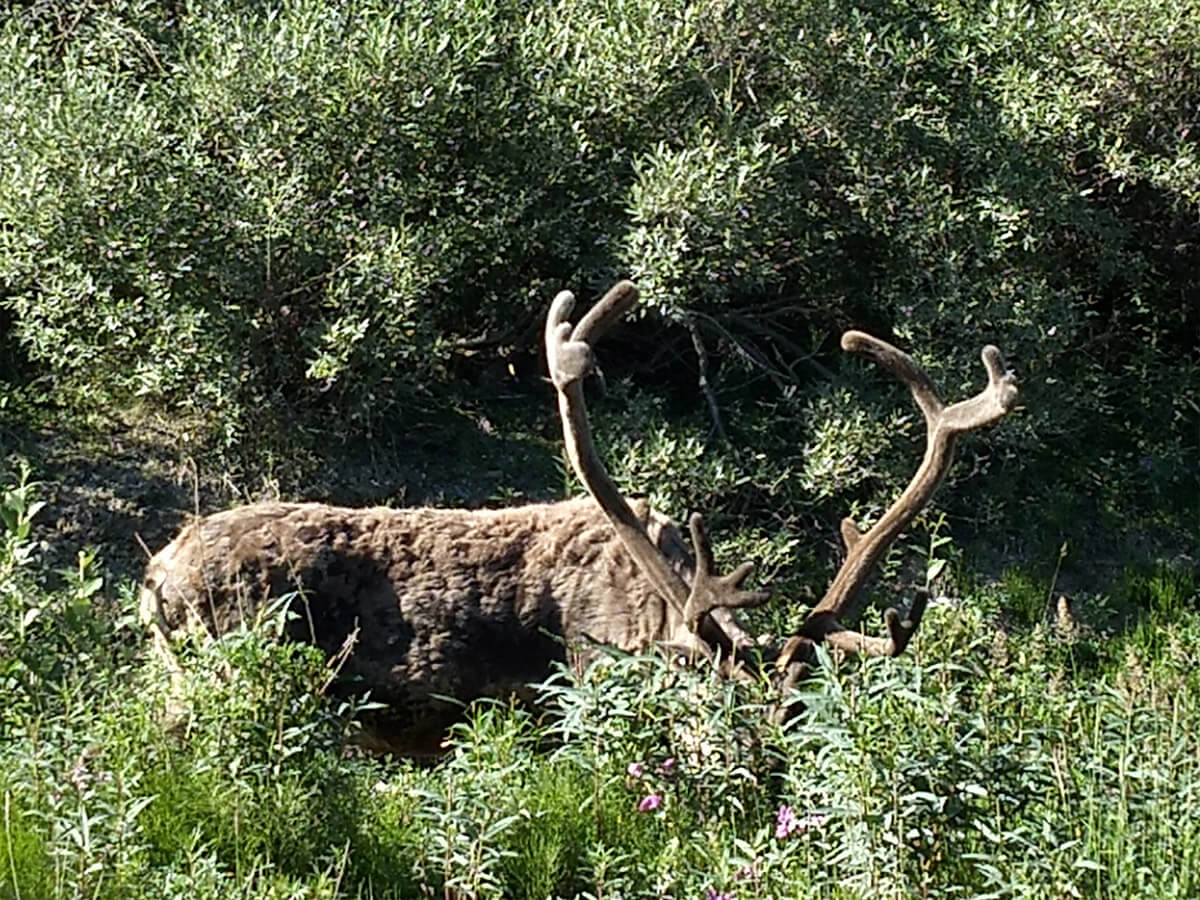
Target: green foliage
{"type": "Point", "coordinates": [308, 206]}
{"type": "Point", "coordinates": [1164, 591]}
{"type": "Point", "coordinates": [46, 636]}
{"type": "Point", "coordinates": [259, 778]}
{"type": "Point", "coordinates": [1008, 763]}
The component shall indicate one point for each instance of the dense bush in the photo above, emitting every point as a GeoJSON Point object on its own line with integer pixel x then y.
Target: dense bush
{"type": "Point", "coordinates": [317, 204]}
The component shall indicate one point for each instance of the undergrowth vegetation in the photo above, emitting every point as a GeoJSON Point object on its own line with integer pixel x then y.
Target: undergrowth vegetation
{"type": "Point", "coordinates": [997, 760]}
{"type": "Point", "coordinates": [294, 241]}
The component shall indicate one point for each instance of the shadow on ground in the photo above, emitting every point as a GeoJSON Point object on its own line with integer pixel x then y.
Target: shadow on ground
{"type": "Point", "coordinates": [126, 486]}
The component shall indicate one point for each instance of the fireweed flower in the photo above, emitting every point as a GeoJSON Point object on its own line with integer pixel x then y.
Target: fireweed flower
{"type": "Point", "coordinates": [787, 823]}
{"type": "Point", "coordinates": [667, 766]}
{"type": "Point", "coordinates": [650, 803]}
{"type": "Point", "coordinates": [635, 770]}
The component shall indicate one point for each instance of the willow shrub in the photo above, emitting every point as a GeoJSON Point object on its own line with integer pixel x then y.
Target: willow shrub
{"type": "Point", "coordinates": [304, 206]}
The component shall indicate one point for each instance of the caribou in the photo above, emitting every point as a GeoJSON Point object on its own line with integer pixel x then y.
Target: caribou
{"type": "Point", "coordinates": [428, 609]}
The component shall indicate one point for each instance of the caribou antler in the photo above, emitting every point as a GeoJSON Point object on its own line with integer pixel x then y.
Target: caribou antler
{"type": "Point", "coordinates": [943, 425]}
{"type": "Point", "coordinates": [570, 358]}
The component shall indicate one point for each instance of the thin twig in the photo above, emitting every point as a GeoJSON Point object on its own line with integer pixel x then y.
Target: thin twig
{"type": "Point", "coordinates": [785, 343]}
{"type": "Point", "coordinates": [752, 354]}
{"type": "Point", "coordinates": [520, 334]}
{"type": "Point", "coordinates": [714, 410]}
{"type": "Point", "coordinates": [141, 543]}
{"type": "Point", "coordinates": [320, 276]}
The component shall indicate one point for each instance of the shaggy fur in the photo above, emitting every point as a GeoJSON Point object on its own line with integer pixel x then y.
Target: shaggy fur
{"type": "Point", "coordinates": [425, 604]}
{"type": "Point", "coordinates": [457, 603]}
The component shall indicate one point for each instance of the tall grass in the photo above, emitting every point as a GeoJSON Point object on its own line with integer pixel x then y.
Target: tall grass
{"type": "Point", "coordinates": [1026, 762]}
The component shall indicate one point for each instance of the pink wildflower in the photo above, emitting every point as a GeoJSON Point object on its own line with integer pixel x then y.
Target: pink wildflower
{"type": "Point", "coordinates": [713, 894]}
{"type": "Point", "coordinates": [650, 803]}
{"type": "Point", "coordinates": [667, 766]}
{"type": "Point", "coordinates": [635, 770]}
{"type": "Point", "coordinates": [787, 823]}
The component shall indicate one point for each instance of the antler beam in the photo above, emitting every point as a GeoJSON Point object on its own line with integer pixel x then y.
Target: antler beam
{"type": "Point", "coordinates": [570, 357]}
{"type": "Point", "coordinates": [943, 425]}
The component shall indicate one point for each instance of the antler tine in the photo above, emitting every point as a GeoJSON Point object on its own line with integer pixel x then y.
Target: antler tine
{"type": "Point", "coordinates": [900, 632]}
{"type": "Point", "coordinates": [990, 404]}
{"type": "Point", "coordinates": [569, 353]}
{"type": "Point", "coordinates": [570, 361]}
{"type": "Point", "coordinates": [943, 424]}
{"type": "Point", "coordinates": [610, 309]}
{"type": "Point", "coordinates": [570, 358]}
{"type": "Point", "coordinates": [711, 591]}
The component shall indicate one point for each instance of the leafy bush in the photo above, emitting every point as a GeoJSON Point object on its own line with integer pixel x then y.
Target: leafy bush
{"type": "Point", "coordinates": [310, 206]}
{"type": "Point", "coordinates": [47, 637]}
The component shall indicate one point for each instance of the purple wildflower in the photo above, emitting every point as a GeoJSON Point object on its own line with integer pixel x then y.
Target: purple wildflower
{"type": "Point", "coordinates": [786, 822]}
{"type": "Point", "coordinates": [635, 770]}
{"type": "Point", "coordinates": [713, 894]}
{"type": "Point", "coordinates": [650, 803]}
{"type": "Point", "coordinates": [667, 766]}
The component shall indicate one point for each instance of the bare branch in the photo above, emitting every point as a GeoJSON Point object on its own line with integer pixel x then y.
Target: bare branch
{"type": "Point", "coordinates": [710, 397]}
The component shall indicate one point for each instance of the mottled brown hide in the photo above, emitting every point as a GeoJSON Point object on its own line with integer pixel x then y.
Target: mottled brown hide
{"type": "Point", "coordinates": [425, 604]}
{"type": "Point", "coordinates": [450, 602]}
